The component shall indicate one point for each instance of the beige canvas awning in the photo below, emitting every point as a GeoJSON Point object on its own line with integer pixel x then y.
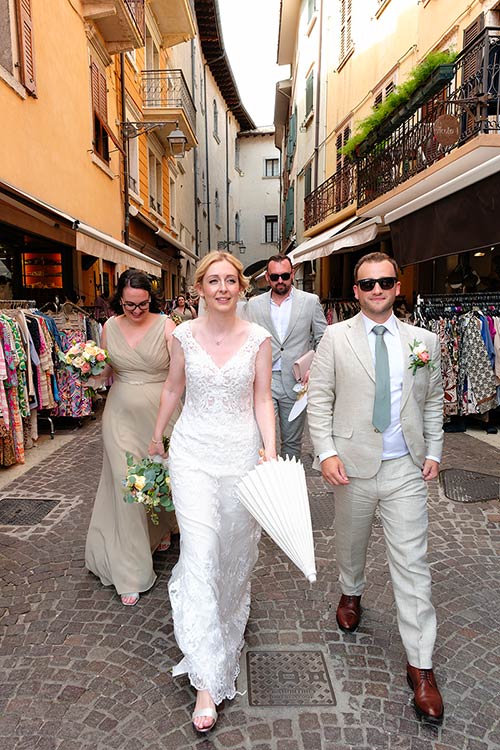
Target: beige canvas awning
{"type": "Point", "coordinates": [93, 242]}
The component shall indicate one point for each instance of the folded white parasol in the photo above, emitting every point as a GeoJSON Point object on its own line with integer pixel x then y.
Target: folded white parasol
{"type": "Point", "coordinates": [275, 493]}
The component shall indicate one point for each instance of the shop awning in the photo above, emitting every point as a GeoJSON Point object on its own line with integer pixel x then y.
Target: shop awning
{"type": "Point", "coordinates": [188, 254]}
{"type": "Point", "coordinates": [93, 242]}
{"type": "Point", "coordinates": [347, 236]}
{"type": "Point", "coordinates": [466, 220]}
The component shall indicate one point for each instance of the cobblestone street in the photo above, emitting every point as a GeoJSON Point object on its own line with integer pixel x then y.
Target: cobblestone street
{"type": "Point", "coordinates": [81, 671]}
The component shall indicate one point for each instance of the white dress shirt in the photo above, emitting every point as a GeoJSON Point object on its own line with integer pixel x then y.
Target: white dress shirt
{"type": "Point", "coordinates": [393, 442]}
{"type": "Point", "coordinates": [280, 315]}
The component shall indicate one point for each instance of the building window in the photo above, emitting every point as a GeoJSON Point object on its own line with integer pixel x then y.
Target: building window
{"type": "Point", "coordinates": [217, 208]}
{"type": "Point", "coordinates": [133, 165]}
{"type": "Point", "coordinates": [290, 211]}
{"type": "Point", "coordinates": [307, 179]}
{"type": "Point", "coordinates": [272, 168]}
{"type": "Point", "coordinates": [271, 229]}
{"type": "Point", "coordinates": [237, 228]}
{"type": "Point", "coordinates": [309, 93]}
{"type": "Point", "coordinates": [311, 7]}
{"type": "Point", "coordinates": [346, 44]}
{"type": "Point", "coordinates": [216, 120]}
{"type": "Point", "coordinates": [236, 153]}
{"type": "Point", "coordinates": [292, 139]}
{"type": "Point", "coordinates": [155, 183]}
{"type": "Point", "coordinates": [173, 202]}
{"type": "Point", "coordinates": [342, 138]}
{"type": "Point", "coordinates": [17, 56]}
{"type": "Point", "coordinates": [100, 110]}
{"type": "Point", "coordinates": [383, 93]}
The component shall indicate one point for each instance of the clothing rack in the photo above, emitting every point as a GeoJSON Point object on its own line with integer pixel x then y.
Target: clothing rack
{"type": "Point", "coordinates": [13, 304]}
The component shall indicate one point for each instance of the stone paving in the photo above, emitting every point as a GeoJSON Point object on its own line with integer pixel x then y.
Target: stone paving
{"type": "Point", "coordinates": [80, 671]}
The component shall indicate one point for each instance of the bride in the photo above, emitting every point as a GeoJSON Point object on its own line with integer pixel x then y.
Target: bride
{"type": "Point", "coordinates": [225, 364]}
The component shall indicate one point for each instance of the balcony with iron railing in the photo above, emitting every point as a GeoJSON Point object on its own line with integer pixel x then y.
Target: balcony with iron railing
{"type": "Point", "coordinates": [166, 100]}
{"type": "Point", "coordinates": [332, 196]}
{"type": "Point", "coordinates": [439, 119]}
{"type": "Point", "coordinates": [121, 23]}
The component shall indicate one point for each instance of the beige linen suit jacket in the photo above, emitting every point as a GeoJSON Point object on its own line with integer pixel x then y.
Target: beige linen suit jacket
{"type": "Point", "coordinates": [342, 391]}
{"type": "Point", "coordinates": [306, 327]}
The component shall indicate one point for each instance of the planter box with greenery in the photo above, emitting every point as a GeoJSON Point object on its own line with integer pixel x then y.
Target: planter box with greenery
{"type": "Point", "coordinates": [423, 82]}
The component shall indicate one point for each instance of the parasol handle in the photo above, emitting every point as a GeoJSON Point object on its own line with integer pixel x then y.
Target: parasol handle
{"type": "Point", "coordinates": [311, 578]}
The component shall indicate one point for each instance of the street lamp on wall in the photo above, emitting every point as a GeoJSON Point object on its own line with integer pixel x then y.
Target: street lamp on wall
{"type": "Point", "coordinates": [176, 138]}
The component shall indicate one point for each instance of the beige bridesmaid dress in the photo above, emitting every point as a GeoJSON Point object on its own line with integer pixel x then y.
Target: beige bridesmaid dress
{"type": "Point", "coordinates": [121, 538]}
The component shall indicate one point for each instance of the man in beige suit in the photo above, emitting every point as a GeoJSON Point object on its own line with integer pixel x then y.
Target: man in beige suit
{"type": "Point", "coordinates": [375, 370]}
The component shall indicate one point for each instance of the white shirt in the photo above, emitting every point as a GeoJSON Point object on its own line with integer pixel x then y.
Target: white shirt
{"type": "Point", "coordinates": [280, 315]}
{"type": "Point", "coordinates": [393, 442]}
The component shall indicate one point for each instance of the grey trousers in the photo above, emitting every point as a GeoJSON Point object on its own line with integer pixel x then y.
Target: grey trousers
{"type": "Point", "coordinates": [291, 432]}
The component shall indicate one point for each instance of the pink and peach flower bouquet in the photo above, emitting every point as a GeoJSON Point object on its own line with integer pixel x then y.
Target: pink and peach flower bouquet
{"type": "Point", "coordinates": [84, 360]}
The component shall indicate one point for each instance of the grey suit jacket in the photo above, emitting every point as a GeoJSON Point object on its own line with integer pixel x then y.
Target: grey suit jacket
{"type": "Point", "coordinates": [342, 391]}
{"type": "Point", "coordinates": [306, 327]}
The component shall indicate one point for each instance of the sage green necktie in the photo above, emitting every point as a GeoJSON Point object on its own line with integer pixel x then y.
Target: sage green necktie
{"type": "Point", "coordinates": [382, 405]}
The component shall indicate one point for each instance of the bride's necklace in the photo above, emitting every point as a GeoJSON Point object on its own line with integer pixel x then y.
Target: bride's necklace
{"type": "Point", "coordinates": [218, 340]}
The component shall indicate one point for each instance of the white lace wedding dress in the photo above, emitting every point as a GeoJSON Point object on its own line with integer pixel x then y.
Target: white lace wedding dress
{"type": "Point", "coordinates": [214, 442]}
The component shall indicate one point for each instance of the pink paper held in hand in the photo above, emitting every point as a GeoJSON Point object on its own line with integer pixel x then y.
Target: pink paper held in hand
{"type": "Point", "coordinates": [302, 365]}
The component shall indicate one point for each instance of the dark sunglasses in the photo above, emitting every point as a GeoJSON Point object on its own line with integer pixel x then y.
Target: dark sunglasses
{"type": "Point", "coordinates": [386, 282]}
{"type": "Point", "coordinates": [282, 276]}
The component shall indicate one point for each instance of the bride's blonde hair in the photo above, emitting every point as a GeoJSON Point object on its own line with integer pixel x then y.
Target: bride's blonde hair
{"type": "Point", "coordinates": [215, 257]}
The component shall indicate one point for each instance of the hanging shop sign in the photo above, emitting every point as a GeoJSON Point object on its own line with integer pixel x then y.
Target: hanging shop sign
{"type": "Point", "coordinates": [446, 130]}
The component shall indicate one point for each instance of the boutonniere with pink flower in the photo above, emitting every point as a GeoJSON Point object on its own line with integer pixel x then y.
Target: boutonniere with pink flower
{"type": "Point", "coordinates": [419, 356]}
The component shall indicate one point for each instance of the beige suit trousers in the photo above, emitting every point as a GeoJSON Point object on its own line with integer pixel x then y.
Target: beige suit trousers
{"type": "Point", "coordinates": [401, 495]}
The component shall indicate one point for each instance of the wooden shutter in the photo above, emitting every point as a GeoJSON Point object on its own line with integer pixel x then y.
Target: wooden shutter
{"type": "Point", "coordinates": [25, 28]}
{"type": "Point", "coordinates": [99, 91]}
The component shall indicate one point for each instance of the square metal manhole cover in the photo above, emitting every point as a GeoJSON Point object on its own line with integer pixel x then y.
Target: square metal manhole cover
{"type": "Point", "coordinates": [469, 486]}
{"type": "Point", "coordinates": [22, 511]}
{"type": "Point", "coordinates": [288, 678]}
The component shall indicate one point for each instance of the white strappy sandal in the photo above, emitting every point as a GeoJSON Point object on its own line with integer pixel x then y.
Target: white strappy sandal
{"type": "Point", "coordinates": [134, 599]}
{"type": "Point", "coordinates": [201, 713]}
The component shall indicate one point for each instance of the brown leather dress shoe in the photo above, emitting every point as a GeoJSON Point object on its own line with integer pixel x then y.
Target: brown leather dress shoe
{"type": "Point", "coordinates": [427, 698]}
{"type": "Point", "coordinates": [349, 613]}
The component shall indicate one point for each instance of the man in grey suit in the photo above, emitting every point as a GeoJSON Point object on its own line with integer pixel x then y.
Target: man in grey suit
{"type": "Point", "coordinates": [375, 411]}
{"type": "Point", "coordinates": [296, 322]}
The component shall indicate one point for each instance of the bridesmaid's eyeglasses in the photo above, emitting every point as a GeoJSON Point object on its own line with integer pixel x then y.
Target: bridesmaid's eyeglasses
{"type": "Point", "coordinates": [131, 306]}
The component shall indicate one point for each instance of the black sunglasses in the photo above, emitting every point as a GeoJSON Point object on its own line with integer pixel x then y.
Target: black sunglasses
{"type": "Point", "coordinates": [386, 282]}
{"type": "Point", "coordinates": [283, 276]}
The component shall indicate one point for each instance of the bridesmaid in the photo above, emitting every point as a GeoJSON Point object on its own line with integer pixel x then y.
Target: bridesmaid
{"type": "Point", "coordinates": [121, 537]}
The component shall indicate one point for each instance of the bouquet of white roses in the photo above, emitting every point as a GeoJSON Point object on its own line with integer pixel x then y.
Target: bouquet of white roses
{"type": "Point", "coordinates": [84, 360]}
{"type": "Point", "coordinates": [148, 482]}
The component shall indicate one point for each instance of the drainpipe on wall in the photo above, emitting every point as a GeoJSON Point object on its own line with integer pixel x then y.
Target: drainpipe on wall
{"type": "Point", "coordinates": [126, 210]}
{"type": "Point", "coordinates": [318, 97]}
{"type": "Point", "coordinates": [207, 161]}
{"type": "Point", "coordinates": [195, 155]}
{"type": "Point", "coordinates": [227, 179]}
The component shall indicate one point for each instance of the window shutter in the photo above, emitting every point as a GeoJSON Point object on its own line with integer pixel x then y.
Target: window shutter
{"type": "Point", "coordinates": [309, 93]}
{"type": "Point", "coordinates": [25, 26]}
{"type": "Point", "coordinates": [99, 92]}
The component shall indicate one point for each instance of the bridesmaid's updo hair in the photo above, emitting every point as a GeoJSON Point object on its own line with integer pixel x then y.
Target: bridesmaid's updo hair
{"type": "Point", "coordinates": [136, 280]}
{"type": "Point", "coordinates": [215, 257]}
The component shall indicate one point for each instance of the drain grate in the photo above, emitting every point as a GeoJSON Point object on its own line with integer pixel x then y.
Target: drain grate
{"type": "Point", "coordinates": [469, 486]}
{"type": "Point", "coordinates": [22, 511]}
{"type": "Point", "coordinates": [288, 678]}
{"type": "Point", "coordinates": [322, 507]}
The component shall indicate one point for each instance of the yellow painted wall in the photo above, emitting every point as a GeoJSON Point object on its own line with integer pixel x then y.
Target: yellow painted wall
{"type": "Point", "coordinates": [393, 43]}
{"type": "Point", "coordinates": [46, 142]}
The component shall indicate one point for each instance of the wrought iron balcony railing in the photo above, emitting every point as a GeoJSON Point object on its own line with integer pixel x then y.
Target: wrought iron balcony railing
{"type": "Point", "coordinates": [167, 89]}
{"type": "Point", "coordinates": [138, 13]}
{"type": "Point", "coordinates": [467, 106]}
{"type": "Point", "coordinates": [333, 195]}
